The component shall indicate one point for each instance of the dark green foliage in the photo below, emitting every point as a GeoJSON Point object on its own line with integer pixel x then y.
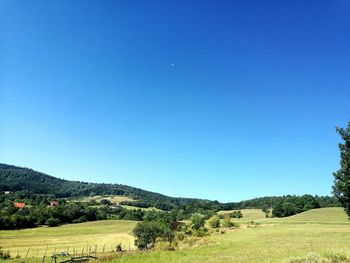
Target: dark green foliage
{"type": "Point", "coordinates": [105, 202]}
{"type": "Point", "coordinates": [266, 210]}
{"type": "Point", "coordinates": [52, 222]}
{"type": "Point", "coordinates": [197, 220]}
{"type": "Point", "coordinates": [13, 178]}
{"type": "Point", "coordinates": [341, 188]}
{"type": "Point", "coordinates": [119, 248]}
{"type": "Point", "coordinates": [292, 205]}
{"type": "Point", "coordinates": [271, 201]}
{"type": "Point", "coordinates": [155, 225]}
{"type": "Point", "coordinates": [140, 204]}
{"type": "Point", "coordinates": [236, 214]}
{"type": "Point", "coordinates": [66, 212]}
{"type": "Point", "coordinates": [146, 234]}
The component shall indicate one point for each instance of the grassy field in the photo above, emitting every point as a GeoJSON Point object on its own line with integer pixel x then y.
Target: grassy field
{"type": "Point", "coordinates": [115, 199]}
{"type": "Point", "coordinates": [143, 209]}
{"type": "Point", "coordinates": [317, 233]}
{"type": "Point", "coordinates": [106, 233]}
{"type": "Point", "coordinates": [320, 233]}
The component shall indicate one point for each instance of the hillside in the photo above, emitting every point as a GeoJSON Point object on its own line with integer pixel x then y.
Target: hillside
{"type": "Point", "coordinates": [328, 215]}
{"type": "Point", "coordinates": [14, 178]}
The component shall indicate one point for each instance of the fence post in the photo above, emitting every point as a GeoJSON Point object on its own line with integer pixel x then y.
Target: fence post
{"type": "Point", "coordinates": [27, 252]}
{"type": "Point", "coordinates": [46, 250]}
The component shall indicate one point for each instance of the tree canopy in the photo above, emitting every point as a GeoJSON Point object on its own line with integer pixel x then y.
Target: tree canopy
{"type": "Point", "coordinates": [341, 188]}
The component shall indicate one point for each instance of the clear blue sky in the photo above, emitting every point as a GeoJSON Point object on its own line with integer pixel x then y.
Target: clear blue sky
{"type": "Point", "coordinates": [223, 100]}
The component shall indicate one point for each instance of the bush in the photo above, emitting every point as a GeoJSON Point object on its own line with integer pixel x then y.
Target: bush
{"type": "Point", "coordinates": [200, 232]}
{"type": "Point", "coordinates": [4, 254]}
{"type": "Point", "coordinates": [119, 248]}
{"type": "Point", "coordinates": [180, 236]}
{"type": "Point", "coordinates": [236, 214]}
{"type": "Point", "coordinates": [105, 202]}
{"type": "Point", "coordinates": [198, 221]}
{"type": "Point", "coordinates": [227, 221]}
{"type": "Point", "coordinates": [214, 222]}
{"type": "Point", "coordinates": [52, 222]}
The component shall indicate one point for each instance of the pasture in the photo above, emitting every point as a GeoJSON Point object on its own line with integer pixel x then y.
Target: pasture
{"type": "Point", "coordinates": [114, 199]}
{"type": "Point", "coordinates": [100, 235]}
{"type": "Point", "coordinates": [319, 233]}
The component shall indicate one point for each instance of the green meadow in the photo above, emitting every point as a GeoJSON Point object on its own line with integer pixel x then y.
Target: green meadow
{"type": "Point", "coordinates": [319, 235]}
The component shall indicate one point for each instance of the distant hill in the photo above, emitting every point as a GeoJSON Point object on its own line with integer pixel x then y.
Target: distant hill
{"type": "Point", "coordinates": [14, 178]}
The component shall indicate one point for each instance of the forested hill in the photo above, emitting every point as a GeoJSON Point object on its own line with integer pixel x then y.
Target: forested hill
{"type": "Point", "coordinates": [13, 178]}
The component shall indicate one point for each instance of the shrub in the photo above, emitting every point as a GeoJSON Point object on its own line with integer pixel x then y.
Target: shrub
{"type": "Point", "coordinates": [336, 257]}
{"type": "Point", "coordinates": [105, 202]}
{"type": "Point", "coordinates": [52, 222]}
{"type": "Point", "coordinates": [236, 214]}
{"type": "Point", "coordinates": [214, 222]}
{"type": "Point", "coordinates": [180, 236]}
{"type": "Point", "coordinates": [200, 232]}
{"type": "Point", "coordinates": [227, 221]}
{"type": "Point", "coordinates": [4, 254]}
{"type": "Point", "coordinates": [119, 248]}
{"type": "Point", "coordinates": [198, 221]}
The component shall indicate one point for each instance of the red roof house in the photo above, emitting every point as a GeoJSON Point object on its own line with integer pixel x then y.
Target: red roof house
{"type": "Point", "coordinates": [54, 203]}
{"type": "Point", "coordinates": [19, 205]}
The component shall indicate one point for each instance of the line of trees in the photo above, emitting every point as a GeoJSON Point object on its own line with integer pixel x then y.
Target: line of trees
{"type": "Point", "coordinates": [38, 212]}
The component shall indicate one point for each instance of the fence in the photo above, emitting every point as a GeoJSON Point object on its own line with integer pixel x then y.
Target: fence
{"type": "Point", "coordinates": [57, 254]}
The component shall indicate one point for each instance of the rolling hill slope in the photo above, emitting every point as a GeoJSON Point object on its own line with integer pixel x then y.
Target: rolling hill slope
{"type": "Point", "coordinates": [14, 178]}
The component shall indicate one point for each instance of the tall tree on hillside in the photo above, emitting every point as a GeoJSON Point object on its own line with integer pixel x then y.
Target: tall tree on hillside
{"type": "Point", "coordinates": [341, 188]}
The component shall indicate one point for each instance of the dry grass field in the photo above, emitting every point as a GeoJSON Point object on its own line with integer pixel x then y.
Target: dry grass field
{"type": "Point", "coordinates": [115, 199]}
{"type": "Point", "coordinates": [100, 235]}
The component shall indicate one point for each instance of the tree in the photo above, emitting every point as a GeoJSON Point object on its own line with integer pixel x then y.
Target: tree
{"type": "Point", "coordinates": [146, 233]}
{"type": "Point", "coordinates": [341, 187]}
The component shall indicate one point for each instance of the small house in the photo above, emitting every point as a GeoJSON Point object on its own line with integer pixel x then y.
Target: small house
{"type": "Point", "coordinates": [19, 205]}
{"type": "Point", "coordinates": [54, 203]}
